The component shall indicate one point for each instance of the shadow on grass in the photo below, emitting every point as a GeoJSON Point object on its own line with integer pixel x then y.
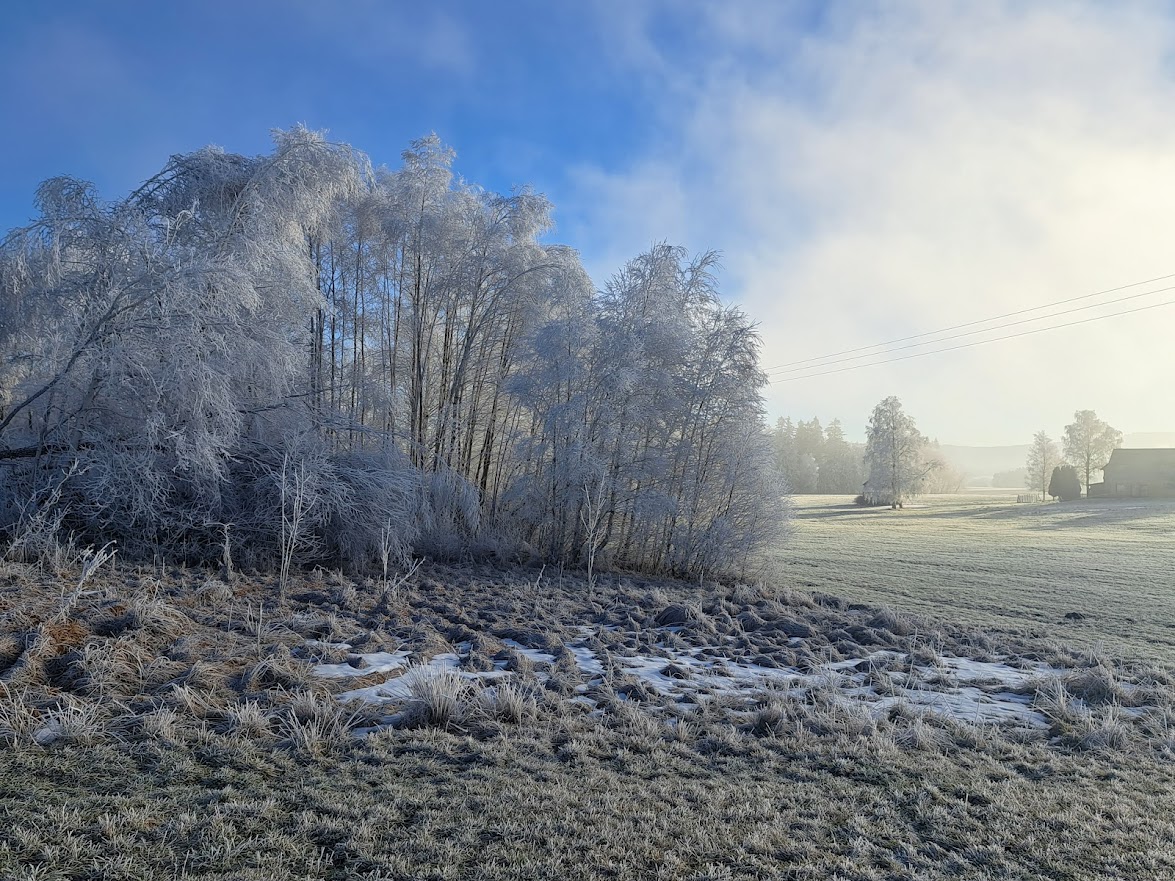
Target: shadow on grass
{"type": "Point", "coordinates": [1051, 516]}
{"type": "Point", "coordinates": [832, 511]}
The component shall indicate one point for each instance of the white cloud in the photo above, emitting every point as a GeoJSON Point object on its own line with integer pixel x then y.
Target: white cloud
{"type": "Point", "coordinates": [918, 166]}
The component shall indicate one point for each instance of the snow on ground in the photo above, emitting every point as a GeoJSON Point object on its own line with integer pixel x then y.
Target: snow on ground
{"type": "Point", "coordinates": [965, 689]}
{"type": "Point", "coordinates": [966, 704]}
{"type": "Point", "coordinates": [400, 687]}
{"type": "Point", "coordinates": [539, 657]}
{"type": "Point", "coordinates": [684, 676]}
{"type": "Point", "coordinates": [364, 665]}
{"type": "Point", "coordinates": [585, 660]}
{"type": "Point", "coordinates": [970, 670]}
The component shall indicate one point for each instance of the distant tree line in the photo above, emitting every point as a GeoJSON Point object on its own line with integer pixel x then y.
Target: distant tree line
{"type": "Point", "coordinates": [1010, 479]}
{"type": "Point", "coordinates": [818, 460]}
{"type": "Point", "coordinates": [298, 357]}
{"type": "Point", "coordinates": [895, 462]}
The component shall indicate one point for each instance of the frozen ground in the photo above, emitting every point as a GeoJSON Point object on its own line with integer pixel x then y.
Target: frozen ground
{"type": "Point", "coordinates": [965, 690]}
{"type": "Point", "coordinates": [490, 723]}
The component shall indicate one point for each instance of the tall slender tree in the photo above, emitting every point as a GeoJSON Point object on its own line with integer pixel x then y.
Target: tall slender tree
{"type": "Point", "coordinates": [1089, 441]}
{"type": "Point", "coordinates": [1043, 457]}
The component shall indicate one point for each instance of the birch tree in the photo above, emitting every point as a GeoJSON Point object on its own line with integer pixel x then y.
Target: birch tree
{"type": "Point", "coordinates": [1043, 457]}
{"type": "Point", "coordinates": [1088, 442]}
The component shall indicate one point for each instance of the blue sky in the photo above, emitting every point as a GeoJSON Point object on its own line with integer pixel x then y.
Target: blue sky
{"type": "Point", "coordinates": [110, 90]}
{"type": "Point", "coordinates": [868, 170]}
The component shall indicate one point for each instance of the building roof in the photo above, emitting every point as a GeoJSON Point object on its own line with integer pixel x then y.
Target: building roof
{"type": "Point", "coordinates": [1141, 464]}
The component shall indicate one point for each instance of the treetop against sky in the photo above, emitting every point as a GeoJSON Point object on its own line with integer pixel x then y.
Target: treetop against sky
{"type": "Point", "coordinates": [867, 173]}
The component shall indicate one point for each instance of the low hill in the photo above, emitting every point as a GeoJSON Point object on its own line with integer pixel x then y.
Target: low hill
{"type": "Point", "coordinates": [1149, 439]}
{"type": "Point", "coordinates": [985, 461]}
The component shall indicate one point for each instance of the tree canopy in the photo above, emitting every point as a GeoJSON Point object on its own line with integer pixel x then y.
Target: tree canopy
{"type": "Point", "coordinates": [396, 349]}
{"type": "Point", "coordinates": [817, 460]}
{"type": "Point", "coordinates": [1043, 457]}
{"type": "Point", "coordinates": [1089, 441]}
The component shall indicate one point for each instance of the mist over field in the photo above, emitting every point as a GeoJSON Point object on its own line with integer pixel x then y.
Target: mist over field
{"type": "Point", "coordinates": [631, 440]}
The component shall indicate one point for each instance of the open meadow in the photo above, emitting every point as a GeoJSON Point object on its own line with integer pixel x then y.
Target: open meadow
{"type": "Point", "coordinates": [1098, 574]}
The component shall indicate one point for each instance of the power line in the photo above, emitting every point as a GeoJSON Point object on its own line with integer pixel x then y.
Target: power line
{"type": "Point", "coordinates": [972, 323]}
{"type": "Point", "coordinates": [972, 344]}
{"type": "Point", "coordinates": [1115, 301]}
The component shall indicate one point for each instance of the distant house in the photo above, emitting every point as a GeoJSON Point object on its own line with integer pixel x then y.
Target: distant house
{"type": "Point", "coordinates": [1137, 474]}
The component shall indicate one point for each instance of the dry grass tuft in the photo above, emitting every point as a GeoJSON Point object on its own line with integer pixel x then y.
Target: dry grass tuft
{"type": "Point", "coordinates": [313, 724]}
{"type": "Point", "coordinates": [281, 671]}
{"type": "Point", "coordinates": [70, 721]}
{"type": "Point", "coordinates": [162, 724]}
{"type": "Point", "coordinates": [440, 698]}
{"type": "Point", "coordinates": [18, 719]}
{"type": "Point", "coordinates": [215, 594]}
{"type": "Point", "coordinates": [920, 735]}
{"type": "Point", "coordinates": [248, 719]}
{"type": "Point", "coordinates": [1096, 685]}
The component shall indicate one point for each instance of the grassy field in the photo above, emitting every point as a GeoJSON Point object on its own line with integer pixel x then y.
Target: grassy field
{"type": "Point", "coordinates": [475, 722]}
{"type": "Point", "coordinates": [984, 560]}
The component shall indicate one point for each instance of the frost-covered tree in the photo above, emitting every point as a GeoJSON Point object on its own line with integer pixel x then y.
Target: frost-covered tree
{"type": "Point", "coordinates": [1088, 442]}
{"type": "Point", "coordinates": [808, 453]}
{"type": "Point", "coordinates": [1043, 457]}
{"type": "Point", "coordinates": [894, 455]}
{"type": "Point", "coordinates": [817, 460]}
{"type": "Point", "coordinates": [787, 460]}
{"type": "Point", "coordinates": [653, 392]}
{"type": "Point", "coordinates": [327, 362]}
{"type": "Point", "coordinates": [154, 334]}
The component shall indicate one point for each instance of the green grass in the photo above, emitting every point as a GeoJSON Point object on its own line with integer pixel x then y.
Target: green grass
{"type": "Point", "coordinates": [983, 560]}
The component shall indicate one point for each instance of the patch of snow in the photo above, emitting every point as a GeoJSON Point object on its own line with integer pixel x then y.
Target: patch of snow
{"type": "Point", "coordinates": [586, 660]}
{"type": "Point", "coordinates": [400, 687]}
{"type": "Point", "coordinates": [968, 690]}
{"type": "Point", "coordinates": [536, 655]}
{"type": "Point", "coordinates": [375, 662]}
{"type": "Point", "coordinates": [968, 670]}
{"type": "Point", "coordinates": [967, 704]}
